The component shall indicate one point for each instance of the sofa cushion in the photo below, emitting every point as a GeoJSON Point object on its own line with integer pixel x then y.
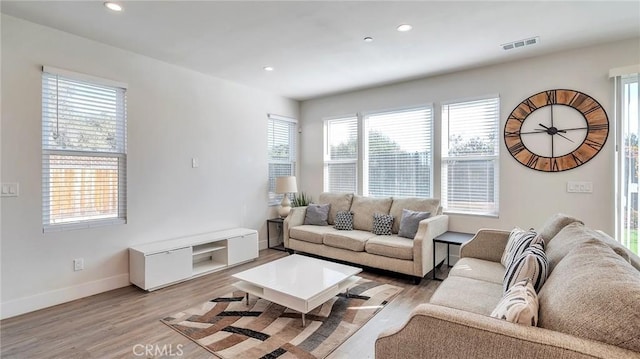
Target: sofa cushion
{"type": "Point", "coordinates": [317, 214]}
{"type": "Point", "coordinates": [363, 209]}
{"type": "Point", "coordinates": [390, 246]}
{"type": "Point", "coordinates": [344, 221]}
{"type": "Point", "coordinates": [430, 205]}
{"type": "Point", "coordinates": [531, 265]}
{"type": "Point", "coordinates": [480, 269]}
{"type": "Point", "coordinates": [595, 294]}
{"type": "Point", "coordinates": [310, 233]}
{"type": "Point", "coordinates": [471, 295]}
{"type": "Point", "coordinates": [382, 224]}
{"type": "Point", "coordinates": [555, 223]}
{"type": "Point", "coordinates": [410, 222]}
{"type": "Point", "coordinates": [572, 235]}
{"type": "Point", "coordinates": [519, 304]}
{"type": "Point", "coordinates": [338, 202]}
{"type": "Point", "coordinates": [351, 240]}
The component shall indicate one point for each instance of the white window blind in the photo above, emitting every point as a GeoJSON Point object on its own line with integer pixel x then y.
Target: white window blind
{"type": "Point", "coordinates": [281, 151]}
{"type": "Point", "coordinates": [84, 151]}
{"type": "Point", "coordinates": [341, 155]}
{"type": "Point", "coordinates": [470, 156]}
{"type": "Point", "coordinates": [398, 153]}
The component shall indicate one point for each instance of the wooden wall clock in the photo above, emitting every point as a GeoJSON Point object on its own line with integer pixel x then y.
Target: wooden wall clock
{"type": "Point", "coordinates": [556, 130]}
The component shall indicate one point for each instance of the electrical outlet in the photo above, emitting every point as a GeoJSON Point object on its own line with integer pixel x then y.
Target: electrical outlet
{"type": "Point", "coordinates": [78, 264]}
{"type": "Point", "coordinates": [10, 190]}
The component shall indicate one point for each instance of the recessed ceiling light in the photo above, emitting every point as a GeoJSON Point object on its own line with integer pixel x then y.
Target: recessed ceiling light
{"type": "Point", "coordinates": [404, 28]}
{"type": "Point", "coordinates": [113, 6]}
{"type": "Point", "coordinates": [268, 68]}
{"type": "Point", "coordinates": [368, 39]}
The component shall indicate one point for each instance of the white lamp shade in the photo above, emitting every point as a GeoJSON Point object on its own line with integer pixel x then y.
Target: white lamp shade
{"type": "Point", "coordinates": [286, 184]}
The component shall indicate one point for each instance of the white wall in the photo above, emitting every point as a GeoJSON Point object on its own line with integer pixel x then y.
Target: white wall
{"type": "Point", "coordinates": [527, 197]}
{"type": "Point", "coordinates": [173, 115]}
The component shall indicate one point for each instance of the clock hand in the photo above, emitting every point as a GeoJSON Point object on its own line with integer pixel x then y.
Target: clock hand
{"type": "Point", "coordinates": [543, 126]}
{"type": "Point", "coordinates": [571, 129]}
{"type": "Point", "coordinates": [563, 136]}
{"type": "Point", "coordinates": [534, 131]}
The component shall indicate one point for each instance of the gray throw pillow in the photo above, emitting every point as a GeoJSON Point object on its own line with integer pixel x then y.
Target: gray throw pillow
{"type": "Point", "coordinates": [317, 214]}
{"type": "Point", "coordinates": [410, 221]}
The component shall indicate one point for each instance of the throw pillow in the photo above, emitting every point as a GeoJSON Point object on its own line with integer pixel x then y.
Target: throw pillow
{"type": "Point", "coordinates": [519, 240]}
{"type": "Point", "coordinates": [317, 214]}
{"type": "Point", "coordinates": [410, 221]}
{"type": "Point", "coordinates": [519, 305]}
{"type": "Point", "coordinates": [532, 264]}
{"type": "Point", "coordinates": [344, 221]}
{"type": "Point", "coordinates": [382, 224]}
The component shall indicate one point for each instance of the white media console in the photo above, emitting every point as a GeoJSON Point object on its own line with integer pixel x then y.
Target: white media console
{"type": "Point", "coordinates": [158, 264]}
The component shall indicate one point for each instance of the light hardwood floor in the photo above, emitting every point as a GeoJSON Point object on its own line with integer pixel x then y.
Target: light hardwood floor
{"type": "Point", "coordinates": [112, 324]}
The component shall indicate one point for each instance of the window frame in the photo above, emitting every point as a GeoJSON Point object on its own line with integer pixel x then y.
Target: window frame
{"type": "Point", "coordinates": [445, 158]}
{"type": "Point", "coordinates": [274, 199]}
{"type": "Point", "coordinates": [47, 152]}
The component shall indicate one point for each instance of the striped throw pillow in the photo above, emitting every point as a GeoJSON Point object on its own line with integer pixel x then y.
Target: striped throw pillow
{"type": "Point", "coordinates": [532, 265]}
{"type": "Point", "coordinates": [519, 240]}
{"type": "Point", "coordinates": [519, 304]}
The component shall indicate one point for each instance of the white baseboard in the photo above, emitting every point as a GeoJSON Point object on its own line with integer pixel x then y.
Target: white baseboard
{"type": "Point", "coordinates": [23, 305]}
{"type": "Point", "coordinates": [262, 244]}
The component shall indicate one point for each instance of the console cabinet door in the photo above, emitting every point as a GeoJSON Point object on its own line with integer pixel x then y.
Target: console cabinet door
{"type": "Point", "coordinates": [167, 267]}
{"type": "Point", "coordinates": [242, 248]}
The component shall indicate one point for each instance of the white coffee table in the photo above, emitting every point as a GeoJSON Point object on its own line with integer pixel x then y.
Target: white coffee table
{"type": "Point", "coordinates": [297, 282]}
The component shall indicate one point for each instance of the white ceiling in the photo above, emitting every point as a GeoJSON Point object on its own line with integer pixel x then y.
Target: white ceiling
{"type": "Point", "coordinates": [316, 47]}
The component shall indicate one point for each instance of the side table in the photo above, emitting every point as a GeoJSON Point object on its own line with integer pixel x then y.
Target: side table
{"type": "Point", "coordinates": [279, 222]}
{"type": "Point", "coordinates": [449, 238]}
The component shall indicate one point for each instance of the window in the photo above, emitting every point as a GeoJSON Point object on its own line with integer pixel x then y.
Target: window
{"type": "Point", "coordinates": [341, 155]}
{"type": "Point", "coordinates": [627, 122]}
{"type": "Point", "coordinates": [396, 156]}
{"type": "Point", "coordinates": [470, 156]}
{"type": "Point", "coordinates": [398, 153]}
{"type": "Point", "coordinates": [281, 151]}
{"type": "Point", "coordinates": [84, 151]}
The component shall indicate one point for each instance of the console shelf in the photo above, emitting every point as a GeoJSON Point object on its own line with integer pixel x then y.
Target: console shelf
{"type": "Point", "coordinates": [159, 264]}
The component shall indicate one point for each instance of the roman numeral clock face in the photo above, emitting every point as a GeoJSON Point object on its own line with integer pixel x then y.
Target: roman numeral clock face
{"type": "Point", "coordinates": [556, 130]}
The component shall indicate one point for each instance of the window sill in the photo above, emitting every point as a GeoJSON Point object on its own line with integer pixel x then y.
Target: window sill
{"type": "Point", "coordinates": [471, 214]}
{"type": "Point", "coordinates": [81, 225]}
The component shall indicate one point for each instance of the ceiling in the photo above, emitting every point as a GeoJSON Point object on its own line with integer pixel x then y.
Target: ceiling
{"type": "Point", "coordinates": [317, 47]}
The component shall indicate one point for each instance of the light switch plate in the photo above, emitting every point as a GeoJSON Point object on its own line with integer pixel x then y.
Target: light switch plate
{"type": "Point", "coordinates": [579, 187]}
{"type": "Point", "coordinates": [10, 190]}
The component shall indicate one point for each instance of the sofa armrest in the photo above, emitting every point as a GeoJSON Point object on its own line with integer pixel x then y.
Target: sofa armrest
{"type": "Point", "coordinates": [487, 244]}
{"type": "Point", "coordinates": [435, 331]}
{"type": "Point", "coordinates": [295, 218]}
{"type": "Point", "coordinates": [423, 242]}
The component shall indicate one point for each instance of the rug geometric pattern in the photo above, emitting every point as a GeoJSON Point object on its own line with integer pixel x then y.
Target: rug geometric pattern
{"type": "Point", "coordinates": [229, 328]}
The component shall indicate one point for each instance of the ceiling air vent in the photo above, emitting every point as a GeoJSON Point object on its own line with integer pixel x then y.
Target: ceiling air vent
{"type": "Point", "coordinates": [520, 43]}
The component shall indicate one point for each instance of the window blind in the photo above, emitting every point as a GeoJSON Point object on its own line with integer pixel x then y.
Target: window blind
{"type": "Point", "coordinates": [470, 156]}
{"type": "Point", "coordinates": [398, 153]}
{"type": "Point", "coordinates": [341, 155]}
{"type": "Point", "coordinates": [84, 151]}
{"type": "Point", "coordinates": [281, 151]}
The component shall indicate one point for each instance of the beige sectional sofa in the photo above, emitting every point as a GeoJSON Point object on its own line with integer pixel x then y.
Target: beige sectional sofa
{"type": "Point", "coordinates": [589, 306]}
{"type": "Point", "coordinates": [413, 257]}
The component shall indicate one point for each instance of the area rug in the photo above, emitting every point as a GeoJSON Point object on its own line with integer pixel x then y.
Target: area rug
{"type": "Point", "coordinates": [229, 328]}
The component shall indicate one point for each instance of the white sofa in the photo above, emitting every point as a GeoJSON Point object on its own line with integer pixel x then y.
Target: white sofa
{"type": "Point", "coordinates": [413, 257]}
